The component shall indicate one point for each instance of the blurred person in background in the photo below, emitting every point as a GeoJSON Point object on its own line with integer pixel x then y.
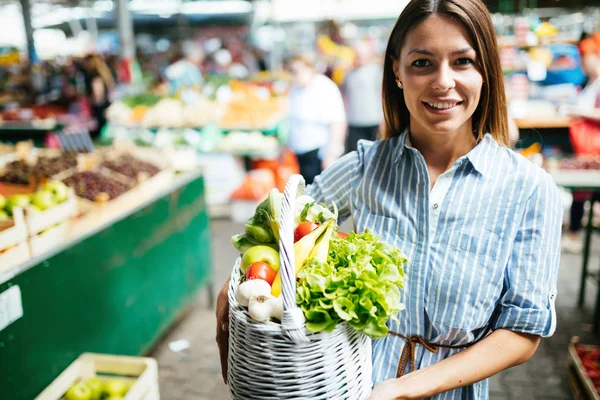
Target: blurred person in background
{"type": "Point", "coordinates": [185, 71]}
{"type": "Point", "coordinates": [98, 82]}
{"type": "Point", "coordinates": [587, 107]}
{"type": "Point", "coordinates": [317, 118]}
{"type": "Point", "coordinates": [362, 95]}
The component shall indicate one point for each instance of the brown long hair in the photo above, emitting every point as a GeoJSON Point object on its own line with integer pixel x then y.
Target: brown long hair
{"type": "Point", "coordinates": [491, 114]}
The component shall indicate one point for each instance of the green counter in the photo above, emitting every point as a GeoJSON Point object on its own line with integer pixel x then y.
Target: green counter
{"type": "Point", "coordinates": [115, 291]}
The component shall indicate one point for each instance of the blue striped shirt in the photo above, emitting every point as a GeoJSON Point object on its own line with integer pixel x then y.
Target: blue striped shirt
{"type": "Point", "coordinates": [485, 240]}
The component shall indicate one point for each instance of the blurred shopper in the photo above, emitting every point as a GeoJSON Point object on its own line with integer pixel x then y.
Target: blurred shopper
{"type": "Point", "coordinates": [185, 72]}
{"type": "Point", "coordinates": [98, 82]}
{"type": "Point", "coordinates": [587, 107]}
{"type": "Point", "coordinates": [362, 90]}
{"type": "Point", "coordinates": [317, 118]}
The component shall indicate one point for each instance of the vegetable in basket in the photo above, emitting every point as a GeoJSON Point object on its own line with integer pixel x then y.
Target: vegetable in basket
{"type": "Point", "coordinates": [359, 283]}
{"type": "Point", "coordinates": [303, 249]}
{"type": "Point", "coordinates": [256, 295]}
{"type": "Point", "coordinates": [263, 226]}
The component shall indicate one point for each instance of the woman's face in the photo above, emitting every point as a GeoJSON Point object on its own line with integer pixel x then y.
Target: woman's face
{"type": "Point", "coordinates": [301, 73]}
{"type": "Point", "coordinates": [440, 77]}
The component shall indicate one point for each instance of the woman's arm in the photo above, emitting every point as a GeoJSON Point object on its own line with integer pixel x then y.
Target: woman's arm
{"type": "Point", "coordinates": [500, 350]}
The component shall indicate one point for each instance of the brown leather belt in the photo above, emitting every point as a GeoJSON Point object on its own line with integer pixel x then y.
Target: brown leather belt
{"type": "Point", "coordinates": [408, 351]}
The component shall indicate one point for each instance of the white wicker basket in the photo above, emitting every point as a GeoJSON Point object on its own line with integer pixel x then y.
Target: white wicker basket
{"type": "Point", "coordinates": [286, 361]}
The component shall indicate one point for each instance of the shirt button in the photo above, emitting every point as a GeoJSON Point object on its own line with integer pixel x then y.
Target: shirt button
{"type": "Point", "coordinates": [435, 206]}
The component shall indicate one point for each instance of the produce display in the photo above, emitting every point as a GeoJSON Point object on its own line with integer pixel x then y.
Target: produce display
{"type": "Point", "coordinates": [17, 173]}
{"type": "Point", "coordinates": [352, 278]}
{"type": "Point", "coordinates": [93, 185]}
{"type": "Point", "coordinates": [50, 166]}
{"type": "Point", "coordinates": [51, 194]}
{"type": "Point", "coordinates": [248, 143]}
{"type": "Point", "coordinates": [98, 389]}
{"type": "Point", "coordinates": [251, 107]}
{"type": "Point", "coordinates": [131, 167]}
{"type": "Point", "coordinates": [590, 359]}
{"type": "Point", "coordinates": [585, 163]}
{"type": "Point", "coordinates": [154, 111]}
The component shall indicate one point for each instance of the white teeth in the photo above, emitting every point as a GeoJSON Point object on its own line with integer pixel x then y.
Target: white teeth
{"type": "Point", "coordinates": [442, 106]}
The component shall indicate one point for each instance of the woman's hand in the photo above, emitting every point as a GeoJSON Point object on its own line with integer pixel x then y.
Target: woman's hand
{"type": "Point", "coordinates": [223, 328]}
{"type": "Point", "coordinates": [396, 389]}
{"type": "Point", "coordinates": [385, 390]}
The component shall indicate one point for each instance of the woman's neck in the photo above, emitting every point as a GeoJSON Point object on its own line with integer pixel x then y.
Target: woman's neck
{"type": "Point", "coordinates": [440, 151]}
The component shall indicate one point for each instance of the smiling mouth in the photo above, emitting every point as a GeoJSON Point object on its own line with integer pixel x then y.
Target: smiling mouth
{"type": "Point", "coordinates": [442, 106]}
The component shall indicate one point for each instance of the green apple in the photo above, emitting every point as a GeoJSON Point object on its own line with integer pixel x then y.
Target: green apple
{"type": "Point", "coordinates": [43, 199]}
{"type": "Point", "coordinates": [17, 200]}
{"type": "Point", "coordinates": [59, 190]}
{"type": "Point", "coordinates": [116, 387]}
{"type": "Point", "coordinates": [96, 386]}
{"type": "Point", "coordinates": [79, 391]}
{"type": "Point", "coordinates": [262, 253]}
{"type": "Point", "coordinates": [2, 201]}
{"type": "Point", "coordinates": [114, 398]}
{"type": "Point", "coordinates": [4, 215]}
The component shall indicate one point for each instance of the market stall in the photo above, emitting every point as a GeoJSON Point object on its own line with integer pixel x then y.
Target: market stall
{"type": "Point", "coordinates": [111, 280]}
{"type": "Point", "coordinates": [230, 128]}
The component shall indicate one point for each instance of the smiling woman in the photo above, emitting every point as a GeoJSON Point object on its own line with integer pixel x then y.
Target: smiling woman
{"type": "Point", "coordinates": [480, 224]}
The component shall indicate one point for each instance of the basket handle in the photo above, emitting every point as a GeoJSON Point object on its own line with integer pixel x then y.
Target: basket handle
{"type": "Point", "coordinates": [293, 320]}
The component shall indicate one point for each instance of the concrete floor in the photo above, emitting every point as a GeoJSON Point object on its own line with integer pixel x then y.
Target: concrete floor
{"type": "Point", "coordinates": [194, 373]}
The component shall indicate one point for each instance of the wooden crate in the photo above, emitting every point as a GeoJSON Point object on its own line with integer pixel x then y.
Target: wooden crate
{"type": "Point", "coordinates": [141, 370]}
{"type": "Point", "coordinates": [13, 232]}
{"type": "Point", "coordinates": [41, 243]}
{"type": "Point", "coordinates": [14, 256]}
{"type": "Point", "coordinates": [578, 370]}
{"type": "Point", "coordinates": [38, 221]}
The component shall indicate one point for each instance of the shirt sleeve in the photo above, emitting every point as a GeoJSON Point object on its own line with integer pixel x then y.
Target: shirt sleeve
{"type": "Point", "coordinates": [338, 182]}
{"type": "Point", "coordinates": [529, 293]}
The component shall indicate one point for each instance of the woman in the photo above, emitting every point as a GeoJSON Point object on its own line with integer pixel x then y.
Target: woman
{"type": "Point", "coordinates": [479, 223]}
{"type": "Point", "coordinates": [98, 82]}
{"type": "Point", "coordinates": [317, 118]}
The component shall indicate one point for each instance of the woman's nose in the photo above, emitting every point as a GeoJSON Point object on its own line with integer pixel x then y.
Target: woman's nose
{"type": "Point", "coordinates": [444, 79]}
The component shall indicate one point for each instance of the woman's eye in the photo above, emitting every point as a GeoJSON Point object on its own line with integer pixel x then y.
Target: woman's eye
{"type": "Point", "coordinates": [421, 63]}
{"type": "Point", "coordinates": [464, 61]}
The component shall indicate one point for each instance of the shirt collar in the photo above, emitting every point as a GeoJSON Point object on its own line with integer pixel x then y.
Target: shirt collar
{"type": "Point", "coordinates": [477, 157]}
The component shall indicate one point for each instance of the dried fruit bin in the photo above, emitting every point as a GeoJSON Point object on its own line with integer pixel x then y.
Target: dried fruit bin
{"type": "Point", "coordinates": [120, 184]}
{"type": "Point", "coordinates": [163, 176]}
{"type": "Point", "coordinates": [140, 370]}
{"type": "Point", "coordinates": [577, 364]}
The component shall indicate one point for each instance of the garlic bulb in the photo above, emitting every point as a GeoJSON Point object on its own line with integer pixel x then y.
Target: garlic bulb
{"type": "Point", "coordinates": [251, 288]}
{"type": "Point", "coordinates": [261, 308]}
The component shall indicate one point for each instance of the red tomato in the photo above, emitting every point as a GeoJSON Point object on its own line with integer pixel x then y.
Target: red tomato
{"type": "Point", "coordinates": [342, 235]}
{"type": "Point", "coordinates": [261, 270]}
{"type": "Point", "coordinates": [303, 229]}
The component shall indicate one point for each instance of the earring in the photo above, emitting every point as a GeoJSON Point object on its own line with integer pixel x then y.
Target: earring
{"type": "Point", "coordinates": [399, 84]}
